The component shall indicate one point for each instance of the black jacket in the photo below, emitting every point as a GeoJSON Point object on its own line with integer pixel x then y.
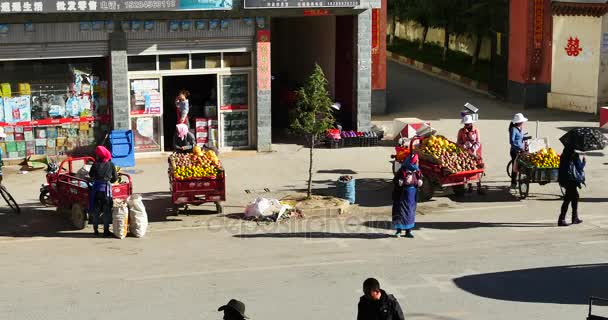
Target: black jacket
{"type": "Point", "coordinates": [387, 308]}
{"type": "Point", "coordinates": [104, 171]}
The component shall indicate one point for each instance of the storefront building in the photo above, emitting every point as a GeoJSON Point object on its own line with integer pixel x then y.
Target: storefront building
{"type": "Point", "coordinates": [70, 71]}
{"type": "Point", "coordinates": [579, 76]}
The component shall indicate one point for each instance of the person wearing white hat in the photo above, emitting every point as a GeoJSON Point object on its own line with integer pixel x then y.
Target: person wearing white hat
{"type": "Point", "coordinates": [516, 140]}
{"type": "Point", "coordinates": [468, 139]}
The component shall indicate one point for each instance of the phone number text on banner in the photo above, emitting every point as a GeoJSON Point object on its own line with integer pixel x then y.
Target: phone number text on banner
{"type": "Point", "coordinates": [258, 4]}
{"type": "Point", "coordinates": [75, 6]}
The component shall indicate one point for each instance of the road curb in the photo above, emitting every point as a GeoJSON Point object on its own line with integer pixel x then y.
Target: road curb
{"type": "Point", "coordinates": [465, 82]}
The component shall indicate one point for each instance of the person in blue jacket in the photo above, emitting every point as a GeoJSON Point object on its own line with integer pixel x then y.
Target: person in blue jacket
{"type": "Point", "coordinates": [571, 177]}
{"type": "Point", "coordinates": [516, 140]}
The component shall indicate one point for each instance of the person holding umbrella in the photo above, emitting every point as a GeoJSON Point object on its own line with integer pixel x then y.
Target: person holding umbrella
{"type": "Point", "coordinates": [572, 168]}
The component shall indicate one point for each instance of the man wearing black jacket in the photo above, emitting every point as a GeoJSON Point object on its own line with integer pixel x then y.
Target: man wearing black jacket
{"type": "Point", "coordinates": [376, 304]}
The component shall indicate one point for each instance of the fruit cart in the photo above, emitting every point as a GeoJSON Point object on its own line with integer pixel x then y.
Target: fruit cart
{"type": "Point", "coordinates": [437, 177]}
{"type": "Point", "coordinates": [197, 184]}
{"type": "Point", "coordinates": [541, 167]}
{"type": "Point", "coordinates": [68, 189]}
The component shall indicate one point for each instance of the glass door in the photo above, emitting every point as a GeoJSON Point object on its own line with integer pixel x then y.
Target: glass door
{"type": "Point", "coordinates": [234, 111]}
{"type": "Point", "coordinates": [146, 107]}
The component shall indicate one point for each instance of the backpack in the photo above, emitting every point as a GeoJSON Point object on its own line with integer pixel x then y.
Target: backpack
{"type": "Point", "coordinates": [574, 174]}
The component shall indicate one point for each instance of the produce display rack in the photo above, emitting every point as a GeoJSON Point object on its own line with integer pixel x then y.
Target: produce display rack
{"type": "Point", "coordinates": [528, 173]}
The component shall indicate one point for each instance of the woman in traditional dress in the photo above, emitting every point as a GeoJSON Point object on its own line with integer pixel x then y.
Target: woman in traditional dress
{"type": "Point", "coordinates": [468, 139]}
{"type": "Point", "coordinates": [406, 182]}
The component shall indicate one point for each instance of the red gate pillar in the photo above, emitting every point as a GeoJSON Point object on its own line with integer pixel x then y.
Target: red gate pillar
{"type": "Point", "coordinates": [530, 34]}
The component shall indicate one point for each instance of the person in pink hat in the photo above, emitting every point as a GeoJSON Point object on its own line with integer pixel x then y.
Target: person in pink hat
{"type": "Point", "coordinates": [406, 183]}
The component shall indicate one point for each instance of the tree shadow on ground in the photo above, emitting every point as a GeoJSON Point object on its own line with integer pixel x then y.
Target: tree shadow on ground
{"type": "Point", "coordinates": [315, 235]}
{"type": "Point", "coordinates": [582, 199]}
{"type": "Point", "coordinates": [369, 192]}
{"type": "Point", "coordinates": [464, 225]}
{"type": "Point", "coordinates": [571, 284]}
{"type": "Point", "coordinates": [338, 171]}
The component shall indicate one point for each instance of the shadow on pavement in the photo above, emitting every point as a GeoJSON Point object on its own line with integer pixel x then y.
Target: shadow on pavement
{"type": "Point", "coordinates": [38, 221]}
{"type": "Point", "coordinates": [429, 316]}
{"type": "Point", "coordinates": [338, 171]}
{"type": "Point", "coordinates": [571, 284]}
{"type": "Point", "coordinates": [370, 192]}
{"type": "Point", "coordinates": [316, 235]}
{"type": "Point", "coordinates": [492, 194]}
{"type": "Point", "coordinates": [387, 225]}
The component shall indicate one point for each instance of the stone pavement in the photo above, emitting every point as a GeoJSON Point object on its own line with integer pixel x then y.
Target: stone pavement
{"type": "Point", "coordinates": [491, 257]}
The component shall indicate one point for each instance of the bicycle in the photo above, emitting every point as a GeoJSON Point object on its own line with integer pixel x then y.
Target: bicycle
{"type": "Point", "coordinates": [9, 198]}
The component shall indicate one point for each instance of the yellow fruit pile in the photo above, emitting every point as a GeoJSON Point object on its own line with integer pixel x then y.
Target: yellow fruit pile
{"type": "Point", "coordinates": [544, 158]}
{"type": "Point", "coordinates": [195, 165]}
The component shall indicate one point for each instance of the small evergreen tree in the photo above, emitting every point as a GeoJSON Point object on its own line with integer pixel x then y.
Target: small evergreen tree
{"type": "Point", "coordinates": [313, 113]}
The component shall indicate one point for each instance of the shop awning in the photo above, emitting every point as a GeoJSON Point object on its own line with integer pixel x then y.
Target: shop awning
{"type": "Point", "coordinates": [580, 8]}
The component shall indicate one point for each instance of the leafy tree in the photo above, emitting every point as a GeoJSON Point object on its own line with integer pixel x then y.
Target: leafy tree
{"type": "Point", "coordinates": [396, 9]}
{"type": "Point", "coordinates": [420, 12]}
{"type": "Point", "coordinates": [483, 18]}
{"type": "Point", "coordinates": [313, 113]}
{"type": "Point", "coordinates": [449, 15]}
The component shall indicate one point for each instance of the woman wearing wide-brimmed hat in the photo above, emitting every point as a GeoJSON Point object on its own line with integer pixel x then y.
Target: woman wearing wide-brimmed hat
{"type": "Point", "coordinates": [516, 139]}
{"type": "Point", "coordinates": [468, 139]}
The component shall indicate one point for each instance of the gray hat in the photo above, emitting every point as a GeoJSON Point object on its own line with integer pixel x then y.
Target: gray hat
{"type": "Point", "coordinates": [236, 306]}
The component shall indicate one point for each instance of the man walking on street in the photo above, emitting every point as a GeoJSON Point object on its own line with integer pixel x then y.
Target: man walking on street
{"type": "Point", "coordinates": [376, 304]}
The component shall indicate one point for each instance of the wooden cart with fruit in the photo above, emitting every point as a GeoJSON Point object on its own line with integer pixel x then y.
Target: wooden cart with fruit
{"type": "Point", "coordinates": [443, 164]}
{"type": "Point", "coordinates": [541, 167]}
{"type": "Point", "coordinates": [196, 178]}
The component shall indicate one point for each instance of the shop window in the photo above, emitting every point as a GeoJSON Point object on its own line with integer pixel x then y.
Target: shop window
{"type": "Point", "coordinates": [50, 107]}
{"type": "Point", "coordinates": [173, 62]}
{"type": "Point", "coordinates": [142, 63]}
{"type": "Point", "coordinates": [146, 132]}
{"type": "Point", "coordinates": [145, 96]}
{"type": "Point", "coordinates": [237, 59]}
{"type": "Point", "coordinates": [206, 60]}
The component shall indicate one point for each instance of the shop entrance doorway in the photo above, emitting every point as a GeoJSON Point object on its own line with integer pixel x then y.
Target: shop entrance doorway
{"type": "Point", "coordinates": [299, 43]}
{"type": "Point", "coordinates": [202, 90]}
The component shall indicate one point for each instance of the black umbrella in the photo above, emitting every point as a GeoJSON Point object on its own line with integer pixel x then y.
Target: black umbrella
{"type": "Point", "coordinates": [584, 139]}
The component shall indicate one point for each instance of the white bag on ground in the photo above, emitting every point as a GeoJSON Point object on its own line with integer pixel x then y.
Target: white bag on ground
{"type": "Point", "coordinates": [138, 218]}
{"type": "Point", "coordinates": [263, 207]}
{"type": "Point", "coordinates": [120, 219]}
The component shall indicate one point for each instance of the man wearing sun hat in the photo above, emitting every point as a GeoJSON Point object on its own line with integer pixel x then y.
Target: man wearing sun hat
{"type": "Point", "coordinates": [234, 310]}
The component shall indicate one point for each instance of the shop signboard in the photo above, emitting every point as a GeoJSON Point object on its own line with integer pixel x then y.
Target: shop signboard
{"type": "Point", "coordinates": [79, 6]}
{"type": "Point", "coordinates": [299, 4]}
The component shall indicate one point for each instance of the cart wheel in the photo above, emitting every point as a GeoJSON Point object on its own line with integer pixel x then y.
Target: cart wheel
{"type": "Point", "coordinates": [510, 168]}
{"type": "Point", "coordinates": [78, 217]}
{"type": "Point", "coordinates": [9, 199]}
{"type": "Point", "coordinates": [219, 208]}
{"type": "Point", "coordinates": [44, 198]}
{"type": "Point", "coordinates": [427, 190]}
{"type": "Point", "coordinates": [524, 185]}
{"type": "Point", "coordinates": [459, 190]}
{"type": "Point", "coordinates": [396, 166]}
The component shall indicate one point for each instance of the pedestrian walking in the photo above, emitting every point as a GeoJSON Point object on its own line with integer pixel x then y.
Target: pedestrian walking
{"type": "Point", "coordinates": [468, 139]}
{"type": "Point", "coordinates": [571, 177]}
{"type": "Point", "coordinates": [516, 140]}
{"type": "Point", "coordinates": [376, 304]}
{"type": "Point", "coordinates": [103, 172]}
{"type": "Point", "coordinates": [233, 310]}
{"type": "Point", "coordinates": [406, 182]}
{"type": "Point", "coordinates": [183, 140]}
{"type": "Point", "coordinates": [182, 106]}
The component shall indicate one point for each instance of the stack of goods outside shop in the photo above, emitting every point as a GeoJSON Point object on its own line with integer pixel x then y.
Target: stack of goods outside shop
{"type": "Point", "coordinates": [336, 138]}
{"type": "Point", "coordinates": [52, 116]}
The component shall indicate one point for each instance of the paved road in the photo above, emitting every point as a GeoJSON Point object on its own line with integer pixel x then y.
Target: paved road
{"type": "Point", "coordinates": [492, 257]}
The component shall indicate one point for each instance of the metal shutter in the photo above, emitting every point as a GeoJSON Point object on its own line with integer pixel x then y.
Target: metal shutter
{"type": "Point", "coordinates": [54, 50]}
{"type": "Point", "coordinates": [153, 47]}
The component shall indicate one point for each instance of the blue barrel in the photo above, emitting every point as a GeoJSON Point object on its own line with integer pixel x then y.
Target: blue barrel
{"type": "Point", "coordinates": [122, 148]}
{"type": "Point", "coordinates": [346, 190]}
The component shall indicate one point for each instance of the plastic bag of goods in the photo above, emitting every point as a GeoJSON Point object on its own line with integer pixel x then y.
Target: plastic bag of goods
{"type": "Point", "coordinates": [120, 219]}
{"type": "Point", "coordinates": [262, 207]}
{"type": "Point", "coordinates": [138, 218]}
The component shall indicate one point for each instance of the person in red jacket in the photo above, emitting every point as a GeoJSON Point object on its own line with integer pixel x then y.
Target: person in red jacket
{"type": "Point", "coordinates": [468, 139]}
